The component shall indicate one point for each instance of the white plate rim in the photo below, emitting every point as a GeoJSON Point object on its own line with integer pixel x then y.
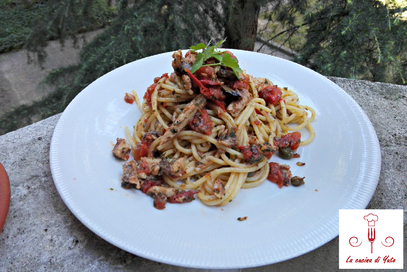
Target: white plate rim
{"type": "Point", "coordinates": [368, 188]}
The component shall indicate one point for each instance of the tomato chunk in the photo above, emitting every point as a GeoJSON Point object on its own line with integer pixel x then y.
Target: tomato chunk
{"type": "Point", "coordinates": [143, 168]}
{"type": "Point", "coordinates": [219, 103]}
{"type": "Point", "coordinates": [142, 148]}
{"type": "Point", "coordinates": [183, 197]}
{"type": "Point", "coordinates": [201, 122]}
{"type": "Point", "coordinates": [210, 82]}
{"type": "Point", "coordinates": [279, 174]}
{"type": "Point", "coordinates": [140, 151]}
{"type": "Point", "coordinates": [241, 83]}
{"type": "Point", "coordinates": [149, 93]}
{"type": "Point", "coordinates": [291, 140]}
{"type": "Point", "coordinates": [271, 94]}
{"type": "Point", "coordinates": [129, 98]}
{"type": "Point", "coordinates": [216, 95]}
{"type": "Point", "coordinates": [150, 90]}
{"type": "Point", "coordinates": [205, 72]}
{"type": "Point", "coordinates": [252, 153]}
{"type": "Point", "coordinates": [147, 184]}
{"type": "Point", "coordinates": [213, 93]}
{"type": "Point", "coordinates": [159, 202]}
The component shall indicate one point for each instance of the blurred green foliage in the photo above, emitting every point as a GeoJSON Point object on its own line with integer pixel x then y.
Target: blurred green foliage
{"type": "Point", "coordinates": [16, 21]}
{"type": "Point", "coordinates": [142, 29]}
{"type": "Point", "coordinates": [356, 39]}
{"type": "Point", "coordinates": [20, 19]}
{"type": "Point", "coordinates": [362, 39]}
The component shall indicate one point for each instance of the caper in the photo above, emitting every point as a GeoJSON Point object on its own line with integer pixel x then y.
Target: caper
{"type": "Point", "coordinates": [285, 153]}
{"type": "Point", "coordinates": [297, 181]}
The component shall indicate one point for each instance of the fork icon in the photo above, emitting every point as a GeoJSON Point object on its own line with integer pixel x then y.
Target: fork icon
{"type": "Point", "coordinates": [371, 236]}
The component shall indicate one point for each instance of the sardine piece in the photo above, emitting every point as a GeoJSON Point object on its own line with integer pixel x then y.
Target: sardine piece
{"type": "Point", "coordinates": [236, 107]}
{"type": "Point", "coordinates": [122, 149]}
{"type": "Point", "coordinates": [183, 118]}
{"type": "Point", "coordinates": [129, 179]}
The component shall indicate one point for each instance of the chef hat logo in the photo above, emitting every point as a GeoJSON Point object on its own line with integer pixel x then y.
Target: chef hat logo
{"type": "Point", "coordinates": [371, 219]}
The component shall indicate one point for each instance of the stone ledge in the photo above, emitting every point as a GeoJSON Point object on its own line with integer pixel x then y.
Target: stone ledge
{"type": "Point", "coordinates": [41, 234]}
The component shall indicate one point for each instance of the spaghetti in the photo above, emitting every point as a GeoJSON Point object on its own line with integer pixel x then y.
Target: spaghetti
{"type": "Point", "coordinates": [211, 133]}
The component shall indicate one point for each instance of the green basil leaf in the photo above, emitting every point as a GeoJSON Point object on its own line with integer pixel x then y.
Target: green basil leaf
{"type": "Point", "coordinates": [199, 46]}
{"type": "Point", "coordinates": [218, 57]}
{"type": "Point", "coordinates": [208, 52]}
{"type": "Point", "coordinates": [198, 62]}
{"type": "Point", "coordinates": [237, 70]}
{"type": "Point", "coordinates": [229, 61]}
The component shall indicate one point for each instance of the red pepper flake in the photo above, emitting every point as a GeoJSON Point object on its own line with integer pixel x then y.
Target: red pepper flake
{"type": "Point", "coordinates": [257, 122]}
{"type": "Point", "coordinates": [242, 218]}
{"type": "Point", "coordinates": [300, 163]}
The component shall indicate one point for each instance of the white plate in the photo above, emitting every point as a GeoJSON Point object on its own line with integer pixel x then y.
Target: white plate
{"type": "Point", "coordinates": [342, 170]}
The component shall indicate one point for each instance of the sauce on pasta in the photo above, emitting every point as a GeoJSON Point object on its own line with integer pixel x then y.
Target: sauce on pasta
{"type": "Point", "coordinates": [209, 132]}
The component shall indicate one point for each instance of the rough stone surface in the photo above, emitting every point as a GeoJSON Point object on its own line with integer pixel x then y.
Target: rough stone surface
{"type": "Point", "coordinates": [386, 107]}
{"type": "Point", "coordinates": [41, 234]}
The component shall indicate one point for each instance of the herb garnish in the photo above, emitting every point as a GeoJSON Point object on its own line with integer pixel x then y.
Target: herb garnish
{"type": "Point", "coordinates": [225, 59]}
